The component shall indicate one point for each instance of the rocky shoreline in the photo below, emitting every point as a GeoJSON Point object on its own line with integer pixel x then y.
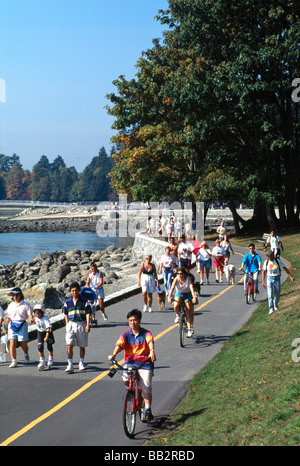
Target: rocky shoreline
{"type": "Point", "coordinates": [65, 224]}
{"type": "Point", "coordinates": [47, 277]}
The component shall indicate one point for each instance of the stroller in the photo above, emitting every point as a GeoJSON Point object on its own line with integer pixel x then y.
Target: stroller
{"type": "Point", "coordinates": [88, 295]}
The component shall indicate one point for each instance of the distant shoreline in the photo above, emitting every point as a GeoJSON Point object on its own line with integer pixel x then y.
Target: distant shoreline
{"type": "Point", "coordinates": [65, 224]}
{"type": "Point", "coordinates": [82, 219]}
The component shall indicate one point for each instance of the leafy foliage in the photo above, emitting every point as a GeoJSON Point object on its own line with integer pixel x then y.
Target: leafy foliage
{"type": "Point", "coordinates": [212, 103]}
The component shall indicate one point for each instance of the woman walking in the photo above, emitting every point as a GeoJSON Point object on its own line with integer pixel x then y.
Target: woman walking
{"type": "Point", "coordinates": [148, 280]}
{"type": "Point", "coordinates": [167, 265]}
{"type": "Point", "coordinates": [17, 314]}
{"type": "Point", "coordinates": [219, 257]}
{"type": "Point", "coordinates": [204, 259]}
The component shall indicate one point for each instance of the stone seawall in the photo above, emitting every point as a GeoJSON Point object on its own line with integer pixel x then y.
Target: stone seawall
{"type": "Point", "coordinates": [144, 244]}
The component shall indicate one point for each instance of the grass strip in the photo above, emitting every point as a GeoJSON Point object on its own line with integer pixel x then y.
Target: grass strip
{"type": "Point", "coordinates": [249, 394]}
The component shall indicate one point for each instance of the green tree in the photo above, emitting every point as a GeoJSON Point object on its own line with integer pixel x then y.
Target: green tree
{"type": "Point", "coordinates": [62, 181]}
{"type": "Point", "coordinates": [2, 188]}
{"type": "Point", "coordinates": [213, 102]}
{"type": "Point", "coordinates": [57, 163]}
{"type": "Point", "coordinates": [94, 179]}
{"type": "Point", "coordinates": [7, 162]}
{"type": "Point", "coordinates": [40, 187]}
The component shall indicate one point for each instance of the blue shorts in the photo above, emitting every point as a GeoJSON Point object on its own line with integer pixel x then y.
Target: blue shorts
{"type": "Point", "coordinates": [185, 296]}
{"type": "Point", "coordinates": [99, 292]}
{"type": "Point", "coordinates": [20, 335]}
{"type": "Point", "coordinates": [205, 263]}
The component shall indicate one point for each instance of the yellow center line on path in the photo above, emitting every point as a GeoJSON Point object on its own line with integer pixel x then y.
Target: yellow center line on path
{"type": "Point", "coordinates": [78, 392]}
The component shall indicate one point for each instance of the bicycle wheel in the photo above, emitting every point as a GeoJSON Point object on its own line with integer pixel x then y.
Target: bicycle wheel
{"type": "Point", "coordinates": [182, 325]}
{"type": "Point", "coordinates": [248, 293]}
{"type": "Point", "coordinates": [254, 294]}
{"type": "Point", "coordinates": [129, 415]}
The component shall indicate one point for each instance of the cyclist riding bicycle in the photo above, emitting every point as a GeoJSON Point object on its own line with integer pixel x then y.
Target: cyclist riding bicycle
{"type": "Point", "coordinates": [251, 263]}
{"type": "Point", "coordinates": [138, 344]}
{"type": "Point", "coordinates": [183, 285]}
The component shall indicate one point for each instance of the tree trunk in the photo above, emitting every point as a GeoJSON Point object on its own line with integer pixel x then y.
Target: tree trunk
{"type": "Point", "coordinates": [237, 219]}
{"type": "Point", "coordinates": [258, 222]}
{"type": "Point", "coordinates": [271, 217]}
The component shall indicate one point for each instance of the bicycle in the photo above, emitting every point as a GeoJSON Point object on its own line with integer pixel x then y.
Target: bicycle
{"type": "Point", "coordinates": [250, 290]}
{"type": "Point", "coordinates": [182, 322]}
{"type": "Point", "coordinates": [134, 400]}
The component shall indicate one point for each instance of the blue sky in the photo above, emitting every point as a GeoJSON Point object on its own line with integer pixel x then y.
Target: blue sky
{"type": "Point", "coordinates": [58, 59]}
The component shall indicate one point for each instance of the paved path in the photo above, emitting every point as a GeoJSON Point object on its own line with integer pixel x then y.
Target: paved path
{"type": "Point", "coordinates": [54, 408]}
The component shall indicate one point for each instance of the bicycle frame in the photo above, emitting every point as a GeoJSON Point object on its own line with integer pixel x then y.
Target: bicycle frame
{"type": "Point", "coordinates": [134, 401]}
{"type": "Point", "coordinates": [182, 321]}
{"type": "Point", "coordinates": [250, 291]}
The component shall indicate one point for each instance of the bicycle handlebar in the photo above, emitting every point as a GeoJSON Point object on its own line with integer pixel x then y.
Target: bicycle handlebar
{"type": "Point", "coordinates": [114, 362]}
{"type": "Point", "coordinates": [249, 273]}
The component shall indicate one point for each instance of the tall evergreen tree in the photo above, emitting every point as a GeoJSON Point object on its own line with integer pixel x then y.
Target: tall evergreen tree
{"type": "Point", "coordinates": [40, 187]}
{"type": "Point", "coordinates": [95, 180]}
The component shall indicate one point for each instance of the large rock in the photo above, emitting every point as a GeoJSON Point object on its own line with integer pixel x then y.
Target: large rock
{"type": "Point", "coordinates": [46, 278]}
{"type": "Point", "coordinates": [46, 295]}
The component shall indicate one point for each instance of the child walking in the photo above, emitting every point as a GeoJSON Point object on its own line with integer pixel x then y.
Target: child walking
{"type": "Point", "coordinates": [45, 335]}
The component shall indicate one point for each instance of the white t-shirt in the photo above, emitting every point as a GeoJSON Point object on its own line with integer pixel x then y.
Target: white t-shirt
{"type": "Point", "coordinates": [221, 230]}
{"type": "Point", "coordinates": [43, 323]}
{"type": "Point", "coordinates": [169, 228]}
{"type": "Point", "coordinates": [203, 254]}
{"type": "Point", "coordinates": [274, 242]}
{"type": "Point", "coordinates": [273, 268]}
{"type": "Point", "coordinates": [186, 250]}
{"type": "Point", "coordinates": [218, 251]}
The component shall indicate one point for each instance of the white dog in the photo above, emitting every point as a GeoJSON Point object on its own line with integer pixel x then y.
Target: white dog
{"type": "Point", "coordinates": [229, 270]}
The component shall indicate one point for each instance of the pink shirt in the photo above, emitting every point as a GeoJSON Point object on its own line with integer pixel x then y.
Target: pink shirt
{"type": "Point", "coordinates": [19, 311]}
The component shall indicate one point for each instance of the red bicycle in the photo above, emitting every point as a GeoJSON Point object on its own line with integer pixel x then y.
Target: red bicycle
{"type": "Point", "coordinates": [250, 292]}
{"type": "Point", "coordinates": [134, 400]}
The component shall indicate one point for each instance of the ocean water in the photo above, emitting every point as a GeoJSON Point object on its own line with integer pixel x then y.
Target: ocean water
{"type": "Point", "coordinates": [17, 247]}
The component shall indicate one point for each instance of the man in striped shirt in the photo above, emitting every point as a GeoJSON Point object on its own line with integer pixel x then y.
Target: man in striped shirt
{"type": "Point", "coordinates": [77, 317]}
{"type": "Point", "coordinates": [138, 344]}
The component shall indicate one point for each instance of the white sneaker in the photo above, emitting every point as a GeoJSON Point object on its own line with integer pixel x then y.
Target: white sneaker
{"type": "Point", "coordinates": [176, 319]}
{"type": "Point", "coordinates": [150, 309]}
{"type": "Point", "coordinates": [271, 311]}
{"type": "Point", "coordinates": [41, 366]}
{"type": "Point", "coordinates": [50, 364]}
{"type": "Point", "coordinates": [26, 359]}
{"type": "Point", "coordinates": [189, 333]}
{"type": "Point", "coordinates": [104, 316]}
{"type": "Point", "coordinates": [207, 281]}
{"type": "Point", "coordinates": [145, 308]}
{"type": "Point", "coordinates": [13, 364]}
{"type": "Point", "coordinates": [81, 366]}
{"type": "Point", "coordinates": [70, 369]}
